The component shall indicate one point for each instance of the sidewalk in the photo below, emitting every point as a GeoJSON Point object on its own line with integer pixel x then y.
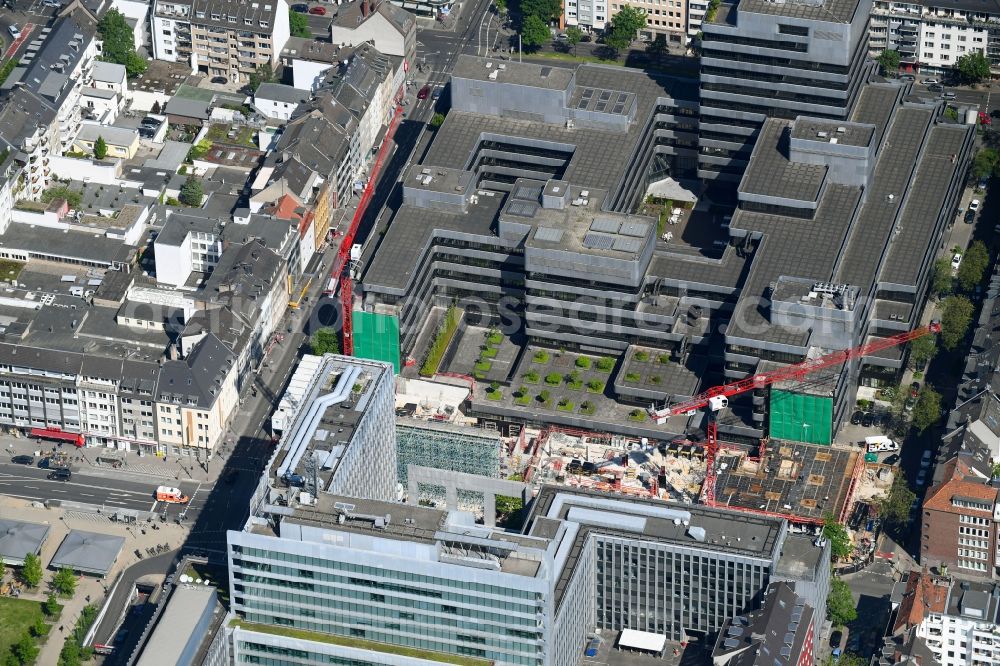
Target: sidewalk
{"type": "Point", "coordinates": [89, 589]}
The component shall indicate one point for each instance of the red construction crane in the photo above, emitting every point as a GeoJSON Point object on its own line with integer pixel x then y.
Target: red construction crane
{"type": "Point", "coordinates": [341, 266]}
{"type": "Point", "coordinates": [717, 397]}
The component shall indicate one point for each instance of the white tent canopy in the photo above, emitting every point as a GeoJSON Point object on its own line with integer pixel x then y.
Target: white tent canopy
{"type": "Point", "coordinates": [642, 640]}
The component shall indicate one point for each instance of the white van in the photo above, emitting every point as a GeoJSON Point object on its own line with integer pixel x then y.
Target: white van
{"type": "Point", "coordinates": [880, 443]}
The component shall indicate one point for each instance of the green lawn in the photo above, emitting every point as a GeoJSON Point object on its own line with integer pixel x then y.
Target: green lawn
{"type": "Point", "coordinates": [16, 617]}
{"type": "Point", "coordinates": [9, 270]}
{"type": "Point", "coordinates": [219, 133]}
{"type": "Point", "coordinates": [363, 644]}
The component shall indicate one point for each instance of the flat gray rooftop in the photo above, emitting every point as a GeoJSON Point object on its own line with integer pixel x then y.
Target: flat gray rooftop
{"type": "Point", "coordinates": [774, 174]}
{"type": "Point", "coordinates": [848, 134]}
{"type": "Point", "coordinates": [44, 242]}
{"type": "Point", "coordinates": [831, 11]}
{"type": "Point", "coordinates": [516, 73]}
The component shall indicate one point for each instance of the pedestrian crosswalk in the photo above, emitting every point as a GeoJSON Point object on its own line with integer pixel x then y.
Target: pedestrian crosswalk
{"type": "Point", "coordinates": [85, 516]}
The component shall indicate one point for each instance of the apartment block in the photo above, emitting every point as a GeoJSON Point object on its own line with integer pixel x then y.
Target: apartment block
{"type": "Point", "coordinates": [931, 36]}
{"type": "Point", "coordinates": [227, 38]}
{"type": "Point", "coordinates": [959, 524]}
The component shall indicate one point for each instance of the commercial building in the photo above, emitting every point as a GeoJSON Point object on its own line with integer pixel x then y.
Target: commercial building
{"type": "Point", "coordinates": [959, 524]}
{"type": "Point", "coordinates": [931, 36]}
{"type": "Point", "coordinates": [762, 59]}
{"type": "Point", "coordinates": [227, 38]}
{"type": "Point", "coordinates": [389, 27]}
{"type": "Point", "coordinates": [668, 19]}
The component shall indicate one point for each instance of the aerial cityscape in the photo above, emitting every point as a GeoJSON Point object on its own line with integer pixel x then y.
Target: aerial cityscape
{"type": "Point", "coordinates": [499, 332]}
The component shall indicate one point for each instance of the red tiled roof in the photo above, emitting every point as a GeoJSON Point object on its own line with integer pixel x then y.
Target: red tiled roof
{"type": "Point", "coordinates": [940, 497]}
{"type": "Point", "coordinates": [923, 595]}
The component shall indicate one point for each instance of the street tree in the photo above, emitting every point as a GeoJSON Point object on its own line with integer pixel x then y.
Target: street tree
{"type": "Point", "coordinates": [888, 62]}
{"type": "Point", "coordinates": [534, 32]}
{"type": "Point", "coordinates": [840, 606]}
{"type": "Point", "coordinates": [629, 20]}
{"type": "Point", "coordinates": [546, 10]}
{"type": "Point", "coordinates": [894, 508]}
{"type": "Point", "coordinates": [618, 40]}
{"type": "Point", "coordinates": [100, 148]}
{"type": "Point", "coordinates": [574, 35]}
{"type": "Point", "coordinates": [192, 192]}
{"type": "Point", "coordinates": [975, 261]}
{"type": "Point", "coordinates": [922, 350]}
{"type": "Point", "coordinates": [986, 163]}
{"type": "Point", "coordinates": [942, 282]}
{"type": "Point", "coordinates": [51, 605]}
{"type": "Point", "coordinates": [927, 411]}
{"type": "Point", "coordinates": [973, 67]}
{"type": "Point", "coordinates": [64, 582]}
{"type": "Point", "coordinates": [836, 534]}
{"type": "Point", "coordinates": [31, 570]}
{"type": "Point", "coordinates": [298, 25]}
{"type": "Point", "coordinates": [955, 319]}
{"type": "Point", "coordinates": [118, 43]}
{"type": "Point", "coordinates": [657, 47]}
{"type": "Point", "coordinates": [325, 341]}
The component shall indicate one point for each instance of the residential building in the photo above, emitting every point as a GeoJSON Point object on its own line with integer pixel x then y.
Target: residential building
{"type": "Point", "coordinates": [121, 142]}
{"type": "Point", "coordinates": [959, 523]}
{"type": "Point", "coordinates": [762, 59]}
{"type": "Point", "coordinates": [781, 633]}
{"type": "Point", "coordinates": [931, 36]}
{"type": "Point", "coordinates": [136, 13]}
{"type": "Point", "coordinates": [186, 244]}
{"type": "Point", "coordinates": [667, 19]}
{"type": "Point", "coordinates": [278, 102]}
{"type": "Point", "coordinates": [227, 38]}
{"type": "Point", "coordinates": [388, 27]}
{"type": "Point", "coordinates": [956, 620]}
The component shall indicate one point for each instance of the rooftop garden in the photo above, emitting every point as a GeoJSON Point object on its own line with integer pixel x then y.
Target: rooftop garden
{"type": "Point", "coordinates": [233, 135]}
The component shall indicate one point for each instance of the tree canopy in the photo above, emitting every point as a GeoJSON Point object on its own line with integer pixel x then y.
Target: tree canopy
{"type": "Point", "coordinates": [119, 43]}
{"type": "Point", "coordinates": [629, 20]}
{"type": "Point", "coordinates": [888, 62]}
{"type": "Point", "coordinates": [574, 35]}
{"type": "Point", "coordinates": [325, 341]}
{"type": "Point", "coordinates": [100, 148]}
{"type": "Point", "coordinates": [263, 74]}
{"type": "Point", "coordinates": [942, 281]}
{"type": "Point", "coordinates": [927, 411]}
{"type": "Point", "coordinates": [840, 606]}
{"type": "Point", "coordinates": [974, 264]}
{"type": "Point", "coordinates": [840, 540]}
{"type": "Point", "coordinates": [955, 319]}
{"type": "Point", "coordinates": [31, 570]}
{"type": "Point", "coordinates": [192, 192]}
{"type": "Point", "coordinates": [973, 67]}
{"type": "Point", "coordinates": [546, 10]}
{"type": "Point", "coordinates": [986, 163]}
{"type": "Point", "coordinates": [895, 507]}
{"type": "Point", "coordinates": [298, 25]}
{"type": "Point", "coordinates": [534, 32]}
{"type": "Point", "coordinates": [64, 582]}
{"type": "Point", "coordinates": [922, 350]}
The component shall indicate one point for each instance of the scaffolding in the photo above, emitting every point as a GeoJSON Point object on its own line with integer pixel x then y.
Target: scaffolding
{"type": "Point", "coordinates": [448, 447]}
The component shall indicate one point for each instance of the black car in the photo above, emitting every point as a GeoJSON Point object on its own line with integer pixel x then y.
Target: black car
{"type": "Point", "coordinates": [59, 475]}
{"type": "Point", "coordinates": [23, 460]}
{"type": "Point", "coordinates": [891, 460]}
{"type": "Point", "coordinates": [868, 419]}
{"type": "Point", "coordinates": [856, 417]}
{"type": "Point", "coordinates": [970, 216]}
{"type": "Point", "coordinates": [915, 389]}
{"type": "Point", "coordinates": [220, 80]}
{"type": "Point", "coordinates": [935, 87]}
{"type": "Point", "coordinates": [301, 8]}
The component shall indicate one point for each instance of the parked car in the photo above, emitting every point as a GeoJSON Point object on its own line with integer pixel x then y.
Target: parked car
{"type": "Point", "coordinates": [301, 8]}
{"type": "Point", "coordinates": [907, 77]}
{"type": "Point", "coordinates": [970, 216]}
{"type": "Point", "coordinates": [14, 31]}
{"type": "Point", "coordinates": [983, 183]}
{"type": "Point", "coordinates": [436, 95]}
{"type": "Point", "coordinates": [930, 82]}
{"type": "Point", "coordinates": [220, 80]}
{"type": "Point", "coordinates": [856, 417]}
{"type": "Point", "coordinates": [925, 460]}
{"type": "Point", "coordinates": [922, 477]}
{"type": "Point", "coordinates": [424, 92]}
{"type": "Point", "coordinates": [61, 474]}
{"type": "Point", "coordinates": [909, 404]}
{"type": "Point", "coordinates": [867, 420]}
{"type": "Point", "coordinates": [891, 460]}
{"type": "Point", "coordinates": [318, 11]}
{"type": "Point", "coordinates": [23, 460]}
{"type": "Point", "coordinates": [915, 389]}
{"type": "Point", "coordinates": [974, 205]}
{"type": "Point", "coordinates": [956, 261]}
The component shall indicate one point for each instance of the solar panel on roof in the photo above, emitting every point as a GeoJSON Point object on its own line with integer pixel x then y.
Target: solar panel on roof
{"type": "Point", "coordinates": [601, 106]}
{"type": "Point", "coordinates": [526, 192]}
{"type": "Point", "coordinates": [550, 234]}
{"type": "Point", "coordinates": [598, 241]}
{"type": "Point", "coordinates": [605, 225]}
{"type": "Point", "coordinates": [582, 104]}
{"type": "Point", "coordinates": [622, 97]}
{"type": "Point", "coordinates": [619, 108]}
{"type": "Point", "coordinates": [622, 244]}
{"type": "Point", "coordinates": [634, 229]}
{"type": "Point", "coordinates": [605, 95]}
{"type": "Point", "coordinates": [587, 93]}
{"type": "Point", "coordinates": [522, 208]}
{"type": "Point", "coordinates": [731, 643]}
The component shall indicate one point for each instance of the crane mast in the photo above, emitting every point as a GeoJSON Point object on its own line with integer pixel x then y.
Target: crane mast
{"type": "Point", "coordinates": [717, 397]}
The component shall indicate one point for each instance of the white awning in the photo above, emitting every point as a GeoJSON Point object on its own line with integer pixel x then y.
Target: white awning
{"type": "Point", "coordinates": [642, 640]}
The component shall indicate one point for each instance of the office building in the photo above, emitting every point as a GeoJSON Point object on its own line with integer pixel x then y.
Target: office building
{"type": "Point", "coordinates": [959, 525]}
{"type": "Point", "coordinates": [220, 38]}
{"type": "Point", "coordinates": [781, 633]}
{"type": "Point", "coordinates": [667, 19]}
{"type": "Point", "coordinates": [762, 59]}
